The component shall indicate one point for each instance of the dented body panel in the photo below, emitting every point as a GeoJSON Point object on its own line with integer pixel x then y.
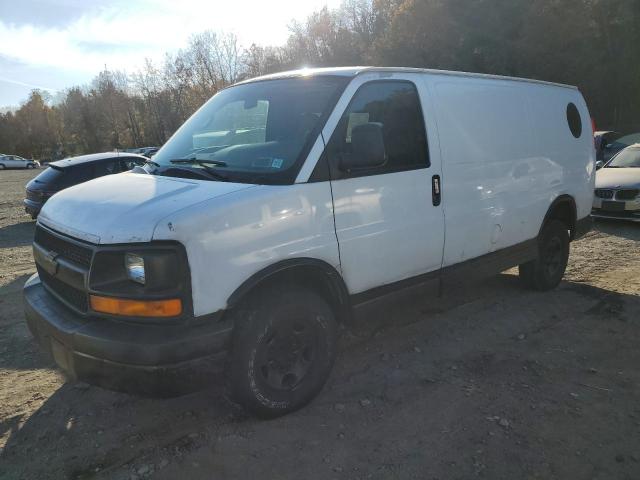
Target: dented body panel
{"type": "Point", "coordinates": [495, 157]}
{"type": "Point", "coordinates": [125, 208]}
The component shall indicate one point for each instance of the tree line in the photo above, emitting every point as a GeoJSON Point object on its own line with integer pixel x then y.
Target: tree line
{"type": "Point", "coordinates": [594, 44]}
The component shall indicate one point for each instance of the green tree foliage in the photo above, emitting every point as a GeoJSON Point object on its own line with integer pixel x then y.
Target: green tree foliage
{"type": "Point", "coordinates": [594, 44]}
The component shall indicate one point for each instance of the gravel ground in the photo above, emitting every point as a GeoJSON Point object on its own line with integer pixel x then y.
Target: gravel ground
{"type": "Point", "coordinates": [490, 381]}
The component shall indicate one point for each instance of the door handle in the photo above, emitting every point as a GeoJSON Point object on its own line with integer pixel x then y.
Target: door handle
{"type": "Point", "coordinates": [436, 190]}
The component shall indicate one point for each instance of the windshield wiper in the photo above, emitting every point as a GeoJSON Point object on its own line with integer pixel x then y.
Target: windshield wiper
{"type": "Point", "coordinates": [207, 173]}
{"type": "Point", "coordinates": [155, 164]}
{"type": "Point", "coordinates": [203, 162]}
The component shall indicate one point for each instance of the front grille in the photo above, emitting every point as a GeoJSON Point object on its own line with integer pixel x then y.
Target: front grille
{"type": "Point", "coordinates": [34, 196]}
{"type": "Point", "coordinates": [606, 194]}
{"type": "Point", "coordinates": [74, 297]}
{"type": "Point", "coordinates": [627, 194]}
{"type": "Point", "coordinates": [66, 249]}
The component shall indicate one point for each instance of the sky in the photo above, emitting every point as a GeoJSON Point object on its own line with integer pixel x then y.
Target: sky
{"type": "Point", "coordinates": [55, 44]}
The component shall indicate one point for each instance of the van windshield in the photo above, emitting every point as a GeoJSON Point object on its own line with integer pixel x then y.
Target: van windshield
{"type": "Point", "coordinates": [258, 132]}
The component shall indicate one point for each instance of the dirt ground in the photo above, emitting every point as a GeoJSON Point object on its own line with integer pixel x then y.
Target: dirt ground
{"type": "Point", "coordinates": [491, 381]}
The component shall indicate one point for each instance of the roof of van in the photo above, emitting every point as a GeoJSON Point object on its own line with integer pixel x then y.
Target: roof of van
{"type": "Point", "coordinates": [93, 157]}
{"type": "Point", "coordinates": [353, 71]}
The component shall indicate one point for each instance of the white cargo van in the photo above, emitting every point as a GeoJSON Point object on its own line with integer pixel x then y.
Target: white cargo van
{"type": "Point", "coordinates": [289, 201]}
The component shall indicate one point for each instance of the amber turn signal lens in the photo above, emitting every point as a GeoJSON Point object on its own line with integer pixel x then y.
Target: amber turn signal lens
{"type": "Point", "coordinates": [136, 308]}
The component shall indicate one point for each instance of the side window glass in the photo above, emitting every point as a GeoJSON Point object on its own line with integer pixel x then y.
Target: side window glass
{"type": "Point", "coordinates": [127, 164]}
{"type": "Point", "coordinates": [77, 174]}
{"type": "Point", "coordinates": [105, 168]}
{"type": "Point", "coordinates": [395, 106]}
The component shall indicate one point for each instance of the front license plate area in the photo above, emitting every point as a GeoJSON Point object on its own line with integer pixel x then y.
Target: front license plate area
{"type": "Point", "coordinates": [613, 206]}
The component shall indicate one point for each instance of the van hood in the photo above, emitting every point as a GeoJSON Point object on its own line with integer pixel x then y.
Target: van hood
{"type": "Point", "coordinates": [618, 178]}
{"type": "Point", "coordinates": [126, 208]}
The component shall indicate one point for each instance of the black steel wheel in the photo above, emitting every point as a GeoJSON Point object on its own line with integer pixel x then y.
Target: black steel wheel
{"type": "Point", "coordinates": [546, 272]}
{"type": "Point", "coordinates": [283, 350]}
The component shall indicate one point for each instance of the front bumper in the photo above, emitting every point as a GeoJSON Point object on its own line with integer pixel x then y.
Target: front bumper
{"type": "Point", "coordinates": [150, 359]}
{"type": "Point", "coordinates": [623, 209]}
{"type": "Point", "coordinates": [629, 215]}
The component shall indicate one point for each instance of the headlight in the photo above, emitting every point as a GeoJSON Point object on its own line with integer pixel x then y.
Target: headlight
{"type": "Point", "coordinates": [134, 265]}
{"type": "Point", "coordinates": [141, 280]}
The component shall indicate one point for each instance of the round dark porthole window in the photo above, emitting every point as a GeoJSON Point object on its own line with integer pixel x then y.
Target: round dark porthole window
{"type": "Point", "coordinates": [574, 120]}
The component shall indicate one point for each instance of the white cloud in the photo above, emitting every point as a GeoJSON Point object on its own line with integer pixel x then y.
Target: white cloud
{"type": "Point", "coordinates": [122, 34]}
{"type": "Point", "coordinates": [27, 85]}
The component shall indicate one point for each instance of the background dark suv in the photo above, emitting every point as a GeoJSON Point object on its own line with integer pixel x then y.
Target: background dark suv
{"type": "Point", "coordinates": [74, 170]}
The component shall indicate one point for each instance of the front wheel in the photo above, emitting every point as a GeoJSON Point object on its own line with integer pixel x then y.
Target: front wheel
{"type": "Point", "coordinates": [546, 272]}
{"type": "Point", "coordinates": [283, 350]}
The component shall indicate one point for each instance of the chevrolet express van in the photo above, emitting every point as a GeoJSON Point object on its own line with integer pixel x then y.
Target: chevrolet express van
{"type": "Point", "coordinates": [288, 202]}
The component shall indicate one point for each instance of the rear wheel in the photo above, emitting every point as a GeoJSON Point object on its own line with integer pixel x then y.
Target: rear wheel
{"type": "Point", "coordinates": [283, 350]}
{"type": "Point", "coordinates": [1, 166]}
{"type": "Point", "coordinates": [546, 272]}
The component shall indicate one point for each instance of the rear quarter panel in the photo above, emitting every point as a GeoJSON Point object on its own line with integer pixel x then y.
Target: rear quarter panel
{"type": "Point", "coordinates": [574, 156]}
{"type": "Point", "coordinates": [507, 153]}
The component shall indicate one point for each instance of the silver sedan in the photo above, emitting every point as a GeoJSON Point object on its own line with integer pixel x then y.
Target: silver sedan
{"type": "Point", "coordinates": [617, 193]}
{"type": "Point", "coordinates": [14, 161]}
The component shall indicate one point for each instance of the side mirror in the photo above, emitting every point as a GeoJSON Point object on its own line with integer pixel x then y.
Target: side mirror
{"type": "Point", "coordinates": [367, 148]}
{"type": "Point", "coordinates": [599, 164]}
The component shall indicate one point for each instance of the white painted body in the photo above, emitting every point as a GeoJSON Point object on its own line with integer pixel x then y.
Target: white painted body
{"type": "Point", "coordinates": [507, 154]}
{"type": "Point", "coordinates": [502, 147]}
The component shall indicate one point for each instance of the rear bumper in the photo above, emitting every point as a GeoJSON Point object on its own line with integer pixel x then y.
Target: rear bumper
{"type": "Point", "coordinates": [148, 359]}
{"type": "Point", "coordinates": [31, 207]}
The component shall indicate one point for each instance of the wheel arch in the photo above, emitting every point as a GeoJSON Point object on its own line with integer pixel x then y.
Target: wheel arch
{"type": "Point", "coordinates": [315, 274]}
{"type": "Point", "coordinates": [563, 208]}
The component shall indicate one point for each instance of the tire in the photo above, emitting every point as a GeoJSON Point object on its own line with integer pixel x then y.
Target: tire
{"type": "Point", "coordinates": [284, 347]}
{"type": "Point", "coordinates": [1, 166]}
{"type": "Point", "coordinates": [546, 272]}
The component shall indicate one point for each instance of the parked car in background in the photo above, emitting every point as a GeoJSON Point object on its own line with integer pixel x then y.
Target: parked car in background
{"type": "Point", "coordinates": [145, 151]}
{"type": "Point", "coordinates": [14, 161]}
{"type": "Point", "coordinates": [617, 193]}
{"type": "Point", "coordinates": [148, 151]}
{"type": "Point", "coordinates": [601, 139]}
{"type": "Point", "coordinates": [318, 194]}
{"type": "Point", "coordinates": [615, 145]}
{"type": "Point", "coordinates": [71, 171]}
